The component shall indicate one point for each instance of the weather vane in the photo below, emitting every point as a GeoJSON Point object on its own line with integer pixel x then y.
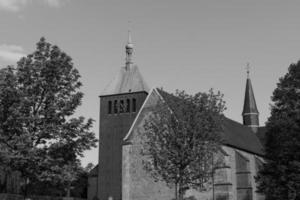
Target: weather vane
{"type": "Point", "coordinates": [129, 25]}
{"type": "Point", "coordinates": [248, 68]}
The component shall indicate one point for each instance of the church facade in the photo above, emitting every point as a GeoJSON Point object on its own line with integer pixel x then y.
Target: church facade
{"type": "Point", "coordinates": [125, 105]}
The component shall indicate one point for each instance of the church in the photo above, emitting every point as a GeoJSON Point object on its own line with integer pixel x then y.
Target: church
{"type": "Point", "coordinates": [119, 175]}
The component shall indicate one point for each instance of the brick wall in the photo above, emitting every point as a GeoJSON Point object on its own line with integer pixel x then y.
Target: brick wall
{"type": "Point", "coordinates": [113, 128]}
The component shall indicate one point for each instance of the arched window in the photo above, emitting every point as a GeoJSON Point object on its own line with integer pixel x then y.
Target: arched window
{"type": "Point", "coordinates": [133, 105]}
{"type": "Point", "coordinates": [122, 106]}
{"type": "Point", "coordinates": [243, 177]}
{"type": "Point", "coordinates": [128, 105]}
{"type": "Point", "coordinates": [115, 106]}
{"type": "Point", "coordinates": [109, 107]}
{"type": "Point", "coordinates": [258, 164]}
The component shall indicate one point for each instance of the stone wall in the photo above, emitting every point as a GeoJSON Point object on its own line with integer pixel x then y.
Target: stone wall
{"type": "Point", "coordinates": [137, 184]}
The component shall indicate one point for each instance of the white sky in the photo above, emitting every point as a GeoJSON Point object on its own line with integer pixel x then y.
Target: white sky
{"type": "Point", "coordinates": [190, 45]}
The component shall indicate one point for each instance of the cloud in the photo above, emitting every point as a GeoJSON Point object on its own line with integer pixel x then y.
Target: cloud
{"type": "Point", "coordinates": [11, 53]}
{"type": "Point", "coordinates": [12, 5]}
{"type": "Point", "coordinates": [54, 3]}
{"type": "Point", "coordinates": [17, 5]}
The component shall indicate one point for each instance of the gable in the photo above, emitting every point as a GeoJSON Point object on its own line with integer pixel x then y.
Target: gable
{"type": "Point", "coordinates": [234, 134]}
{"type": "Point", "coordinates": [149, 102]}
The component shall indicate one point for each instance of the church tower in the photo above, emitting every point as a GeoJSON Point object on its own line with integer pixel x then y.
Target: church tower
{"type": "Point", "coordinates": [250, 112]}
{"type": "Point", "coordinates": [119, 105]}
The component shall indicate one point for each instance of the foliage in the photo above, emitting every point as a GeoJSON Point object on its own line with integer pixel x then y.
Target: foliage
{"type": "Point", "coordinates": [182, 134]}
{"type": "Point", "coordinates": [280, 176]}
{"type": "Point", "coordinates": [80, 185]}
{"type": "Point", "coordinates": [76, 184]}
{"type": "Point", "coordinates": [38, 135]}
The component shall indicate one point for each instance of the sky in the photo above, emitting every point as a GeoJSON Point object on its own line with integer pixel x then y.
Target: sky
{"type": "Point", "coordinates": [187, 45]}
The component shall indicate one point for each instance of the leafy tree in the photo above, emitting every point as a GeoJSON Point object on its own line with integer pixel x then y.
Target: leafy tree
{"type": "Point", "coordinates": [89, 167]}
{"type": "Point", "coordinates": [279, 179]}
{"type": "Point", "coordinates": [80, 185]}
{"type": "Point", "coordinates": [9, 100]}
{"type": "Point", "coordinates": [39, 137]}
{"type": "Point", "coordinates": [182, 134]}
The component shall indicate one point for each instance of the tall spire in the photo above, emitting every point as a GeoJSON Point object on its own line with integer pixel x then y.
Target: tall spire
{"type": "Point", "coordinates": [250, 111]}
{"type": "Point", "coordinates": [129, 51]}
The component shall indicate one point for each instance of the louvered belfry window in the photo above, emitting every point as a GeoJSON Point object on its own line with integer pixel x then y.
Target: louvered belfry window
{"type": "Point", "coordinates": [109, 107]}
{"type": "Point", "coordinates": [116, 106]}
{"type": "Point", "coordinates": [133, 105]}
{"type": "Point", "coordinates": [128, 105]}
{"type": "Point", "coordinates": [122, 106]}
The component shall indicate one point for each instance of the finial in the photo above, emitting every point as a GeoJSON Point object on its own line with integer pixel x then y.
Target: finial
{"type": "Point", "coordinates": [248, 69]}
{"type": "Point", "coordinates": [129, 42]}
{"type": "Point", "coordinates": [129, 51]}
{"type": "Point", "coordinates": [129, 37]}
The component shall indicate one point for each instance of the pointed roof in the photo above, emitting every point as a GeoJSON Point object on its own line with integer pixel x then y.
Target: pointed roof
{"type": "Point", "coordinates": [249, 101]}
{"type": "Point", "coordinates": [129, 79]}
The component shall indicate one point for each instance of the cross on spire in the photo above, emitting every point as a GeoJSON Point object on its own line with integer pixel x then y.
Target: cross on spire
{"type": "Point", "coordinates": [129, 33]}
{"type": "Point", "coordinates": [129, 38]}
{"type": "Point", "coordinates": [248, 69]}
{"type": "Point", "coordinates": [250, 111]}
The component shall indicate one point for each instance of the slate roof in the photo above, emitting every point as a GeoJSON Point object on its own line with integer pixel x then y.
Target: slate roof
{"type": "Point", "coordinates": [234, 134]}
{"type": "Point", "coordinates": [261, 134]}
{"type": "Point", "coordinates": [127, 80]}
{"type": "Point", "coordinates": [241, 137]}
{"type": "Point", "coordinates": [249, 101]}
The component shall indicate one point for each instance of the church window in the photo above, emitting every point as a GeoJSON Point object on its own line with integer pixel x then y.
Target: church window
{"type": "Point", "coordinates": [128, 105]}
{"type": "Point", "coordinates": [115, 106]}
{"type": "Point", "coordinates": [258, 164]}
{"type": "Point", "coordinates": [221, 181]}
{"type": "Point", "coordinates": [109, 107]}
{"type": "Point", "coordinates": [243, 177]}
{"type": "Point", "coordinates": [133, 105]}
{"type": "Point", "coordinates": [122, 106]}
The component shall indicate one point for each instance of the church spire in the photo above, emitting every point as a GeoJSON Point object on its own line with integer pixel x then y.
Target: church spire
{"type": "Point", "coordinates": [129, 51]}
{"type": "Point", "coordinates": [250, 112]}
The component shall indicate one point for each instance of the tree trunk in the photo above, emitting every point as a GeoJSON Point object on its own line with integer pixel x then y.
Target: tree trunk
{"type": "Point", "coordinates": [69, 190]}
{"type": "Point", "coordinates": [176, 191]}
{"type": "Point", "coordinates": [3, 183]}
{"type": "Point", "coordinates": [180, 192]}
{"type": "Point", "coordinates": [25, 188]}
{"type": "Point", "coordinates": [213, 177]}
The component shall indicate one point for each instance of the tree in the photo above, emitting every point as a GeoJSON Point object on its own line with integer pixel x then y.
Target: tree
{"type": "Point", "coordinates": [9, 100]}
{"type": "Point", "coordinates": [181, 136]}
{"type": "Point", "coordinates": [38, 135]}
{"type": "Point", "coordinates": [80, 185]}
{"type": "Point", "coordinates": [279, 178]}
